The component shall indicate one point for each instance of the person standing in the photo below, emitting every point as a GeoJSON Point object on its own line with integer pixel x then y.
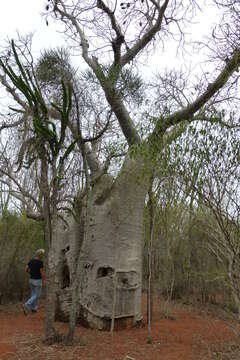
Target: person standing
{"type": "Point", "coordinates": [37, 279]}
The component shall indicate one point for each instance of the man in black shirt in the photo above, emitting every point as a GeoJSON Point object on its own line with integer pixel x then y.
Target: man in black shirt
{"type": "Point", "coordinates": [37, 279]}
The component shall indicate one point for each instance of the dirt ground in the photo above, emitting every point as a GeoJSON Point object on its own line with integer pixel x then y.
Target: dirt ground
{"type": "Point", "coordinates": [188, 333]}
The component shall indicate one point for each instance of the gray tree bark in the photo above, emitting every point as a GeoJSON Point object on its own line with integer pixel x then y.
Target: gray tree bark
{"type": "Point", "coordinates": [110, 261]}
{"type": "Point", "coordinates": [112, 247]}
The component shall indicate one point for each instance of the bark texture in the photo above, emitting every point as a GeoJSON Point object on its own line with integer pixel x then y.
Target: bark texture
{"type": "Point", "coordinates": [110, 260]}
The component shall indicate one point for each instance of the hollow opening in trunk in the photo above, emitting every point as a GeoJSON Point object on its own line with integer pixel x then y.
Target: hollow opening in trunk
{"type": "Point", "coordinates": [65, 277]}
{"type": "Point", "coordinates": [105, 271]}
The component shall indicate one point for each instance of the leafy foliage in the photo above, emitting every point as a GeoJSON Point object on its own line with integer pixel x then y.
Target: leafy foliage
{"type": "Point", "coordinates": [53, 67]}
{"type": "Point", "coordinates": [19, 238]}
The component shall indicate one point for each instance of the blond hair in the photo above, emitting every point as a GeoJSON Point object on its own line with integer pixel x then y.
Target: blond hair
{"type": "Point", "coordinates": [40, 252]}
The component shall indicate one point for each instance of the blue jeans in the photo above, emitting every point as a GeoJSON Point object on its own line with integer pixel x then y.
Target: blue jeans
{"type": "Point", "coordinates": [35, 286]}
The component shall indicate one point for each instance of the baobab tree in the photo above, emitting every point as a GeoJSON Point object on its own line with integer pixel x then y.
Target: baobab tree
{"type": "Point", "coordinates": [111, 37]}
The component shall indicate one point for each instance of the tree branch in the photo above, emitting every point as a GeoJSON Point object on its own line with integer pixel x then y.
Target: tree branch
{"type": "Point", "coordinates": [119, 40]}
{"type": "Point", "coordinates": [188, 112]}
{"type": "Point", "coordinates": [119, 109]}
{"type": "Point", "coordinates": [112, 95]}
{"type": "Point", "coordinates": [5, 125]}
{"type": "Point", "coordinates": [22, 191]}
{"type": "Point", "coordinates": [92, 62]}
{"type": "Point", "coordinates": [147, 37]}
{"type": "Point", "coordinates": [12, 91]}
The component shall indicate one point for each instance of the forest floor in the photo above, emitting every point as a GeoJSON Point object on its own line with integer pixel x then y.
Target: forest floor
{"type": "Point", "coordinates": [179, 332]}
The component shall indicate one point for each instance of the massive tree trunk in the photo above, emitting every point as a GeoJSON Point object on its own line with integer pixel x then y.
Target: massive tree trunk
{"type": "Point", "coordinates": [110, 260]}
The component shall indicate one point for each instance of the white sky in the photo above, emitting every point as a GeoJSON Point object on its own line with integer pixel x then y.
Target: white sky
{"type": "Point", "coordinates": [24, 16]}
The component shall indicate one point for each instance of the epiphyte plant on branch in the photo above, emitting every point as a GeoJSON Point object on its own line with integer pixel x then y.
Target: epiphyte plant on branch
{"type": "Point", "coordinates": [45, 132]}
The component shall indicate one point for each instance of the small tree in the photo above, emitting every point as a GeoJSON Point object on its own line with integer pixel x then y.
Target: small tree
{"type": "Point", "coordinates": [46, 144]}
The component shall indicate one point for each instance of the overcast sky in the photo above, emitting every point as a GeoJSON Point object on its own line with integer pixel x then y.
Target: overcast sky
{"type": "Point", "coordinates": [24, 16]}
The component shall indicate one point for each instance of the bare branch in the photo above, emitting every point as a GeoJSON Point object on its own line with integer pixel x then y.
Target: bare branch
{"type": "Point", "coordinates": [188, 112]}
{"type": "Point", "coordinates": [119, 40]}
{"type": "Point", "coordinates": [147, 37]}
{"type": "Point", "coordinates": [7, 125]}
